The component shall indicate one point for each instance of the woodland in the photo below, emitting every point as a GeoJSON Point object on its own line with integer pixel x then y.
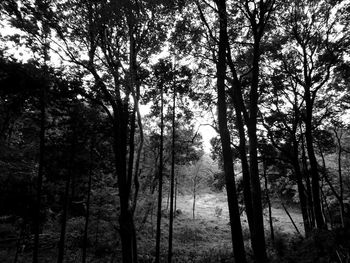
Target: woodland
{"type": "Point", "coordinates": [103, 105]}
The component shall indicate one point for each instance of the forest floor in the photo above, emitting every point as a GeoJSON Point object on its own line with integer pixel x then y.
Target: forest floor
{"type": "Point", "coordinates": [207, 238]}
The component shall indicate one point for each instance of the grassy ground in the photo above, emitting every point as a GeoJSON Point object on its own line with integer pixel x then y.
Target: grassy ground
{"type": "Point", "coordinates": [207, 238]}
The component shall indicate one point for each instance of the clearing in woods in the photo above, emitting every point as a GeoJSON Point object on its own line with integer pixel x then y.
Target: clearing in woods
{"type": "Point", "coordinates": [209, 232]}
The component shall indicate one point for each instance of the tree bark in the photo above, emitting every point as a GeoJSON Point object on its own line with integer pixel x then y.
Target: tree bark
{"type": "Point", "coordinates": [61, 244]}
{"type": "Point", "coordinates": [313, 162]}
{"type": "Point", "coordinates": [301, 188]}
{"type": "Point", "coordinates": [308, 185]}
{"type": "Point", "coordinates": [172, 179]}
{"type": "Point", "coordinates": [40, 173]}
{"type": "Point", "coordinates": [87, 215]}
{"type": "Point", "coordinates": [258, 236]}
{"type": "Point", "coordinates": [160, 182]}
{"type": "Point", "coordinates": [340, 177]}
{"type": "Point", "coordinates": [272, 233]}
{"type": "Point", "coordinates": [126, 221]}
{"type": "Point", "coordinates": [236, 228]}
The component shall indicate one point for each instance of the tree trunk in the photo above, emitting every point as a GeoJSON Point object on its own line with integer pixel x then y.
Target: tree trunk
{"type": "Point", "coordinates": [308, 186]}
{"type": "Point", "coordinates": [61, 244]}
{"type": "Point", "coordinates": [239, 108]}
{"type": "Point", "coordinates": [272, 234]}
{"type": "Point", "coordinates": [88, 202]}
{"type": "Point", "coordinates": [40, 173]}
{"type": "Point", "coordinates": [194, 199]}
{"type": "Point", "coordinates": [236, 228]}
{"type": "Point", "coordinates": [258, 236]}
{"type": "Point", "coordinates": [176, 193]}
{"type": "Point", "coordinates": [160, 182]}
{"type": "Point", "coordinates": [126, 220]}
{"type": "Point", "coordinates": [313, 162]}
{"type": "Point", "coordinates": [340, 177]}
{"type": "Point", "coordinates": [172, 180]}
{"type": "Point", "coordinates": [301, 188]}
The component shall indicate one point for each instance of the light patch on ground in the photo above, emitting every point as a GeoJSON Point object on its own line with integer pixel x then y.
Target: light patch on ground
{"type": "Point", "coordinates": [209, 232]}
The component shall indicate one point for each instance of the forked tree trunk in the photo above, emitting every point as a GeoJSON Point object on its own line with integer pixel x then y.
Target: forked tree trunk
{"type": "Point", "coordinates": [308, 185]}
{"type": "Point", "coordinates": [236, 228]}
{"type": "Point", "coordinates": [301, 188]}
{"type": "Point", "coordinates": [313, 163]}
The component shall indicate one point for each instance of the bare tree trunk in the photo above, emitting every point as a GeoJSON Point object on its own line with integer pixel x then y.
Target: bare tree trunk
{"type": "Point", "coordinates": [194, 199]}
{"type": "Point", "coordinates": [301, 189]}
{"type": "Point", "coordinates": [61, 244]}
{"type": "Point", "coordinates": [340, 176]}
{"type": "Point", "coordinates": [291, 219]}
{"type": "Point", "coordinates": [40, 173]}
{"type": "Point", "coordinates": [176, 193]}
{"type": "Point", "coordinates": [172, 178]}
{"type": "Point", "coordinates": [41, 150]}
{"type": "Point", "coordinates": [309, 101]}
{"type": "Point", "coordinates": [258, 234]}
{"type": "Point", "coordinates": [308, 185]}
{"type": "Point", "coordinates": [272, 234]}
{"type": "Point", "coordinates": [160, 182]}
{"type": "Point", "coordinates": [87, 215]}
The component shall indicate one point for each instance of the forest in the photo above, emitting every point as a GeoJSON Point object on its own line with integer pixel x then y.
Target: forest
{"type": "Point", "coordinates": [175, 131]}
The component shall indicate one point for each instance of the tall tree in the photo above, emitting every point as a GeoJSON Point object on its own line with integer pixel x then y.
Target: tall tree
{"type": "Point", "coordinates": [257, 15]}
{"type": "Point", "coordinates": [160, 175]}
{"type": "Point", "coordinates": [66, 196]}
{"type": "Point", "coordinates": [314, 50]}
{"type": "Point", "coordinates": [172, 174]}
{"type": "Point", "coordinates": [236, 228]}
{"type": "Point", "coordinates": [114, 37]}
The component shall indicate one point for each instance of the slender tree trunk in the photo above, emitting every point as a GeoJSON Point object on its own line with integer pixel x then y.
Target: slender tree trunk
{"type": "Point", "coordinates": [160, 185]}
{"type": "Point", "coordinates": [43, 98]}
{"type": "Point", "coordinates": [172, 179]}
{"type": "Point", "coordinates": [291, 219]}
{"type": "Point", "coordinates": [194, 199]}
{"type": "Point", "coordinates": [61, 244]}
{"type": "Point", "coordinates": [340, 177]}
{"type": "Point", "coordinates": [168, 199]}
{"type": "Point", "coordinates": [301, 188]}
{"type": "Point", "coordinates": [139, 151]}
{"type": "Point", "coordinates": [176, 193]}
{"type": "Point", "coordinates": [236, 228]}
{"type": "Point", "coordinates": [87, 215]}
{"type": "Point", "coordinates": [40, 173]}
{"type": "Point", "coordinates": [272, 234]}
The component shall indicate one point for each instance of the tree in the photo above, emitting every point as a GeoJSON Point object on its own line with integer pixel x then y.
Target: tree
{"type": "Point", "coordinates": [236, 228]}
{"type": "Point", "coordinates": [136, 29]}
{"type": "Point", "coordinates": [309, 63]}
{"type": "Point", "coordinates": [258, 17]}
{"type": "Point", "coordinates": [160, 175]}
